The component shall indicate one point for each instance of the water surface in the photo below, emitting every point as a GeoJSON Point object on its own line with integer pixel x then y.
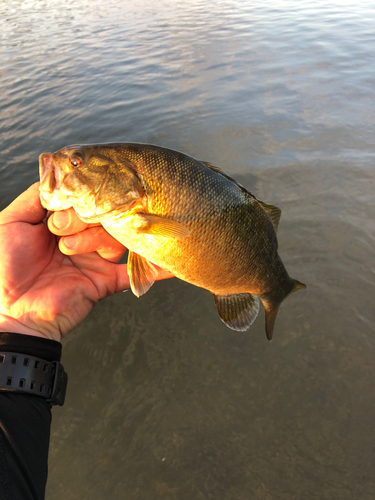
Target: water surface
{"type": "Point", "coordinates": [164, 401]}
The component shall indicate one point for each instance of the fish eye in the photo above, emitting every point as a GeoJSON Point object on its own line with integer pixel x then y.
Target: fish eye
{"type": "Point", "coordinates": [76, 160]}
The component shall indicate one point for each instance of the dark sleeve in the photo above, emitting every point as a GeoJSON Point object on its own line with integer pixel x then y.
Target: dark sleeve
{"type": "Point", "coordinates": [25, 422]}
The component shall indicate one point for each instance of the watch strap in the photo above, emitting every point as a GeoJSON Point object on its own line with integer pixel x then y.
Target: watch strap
{"type": "Point", "coordinates": [32, 375]}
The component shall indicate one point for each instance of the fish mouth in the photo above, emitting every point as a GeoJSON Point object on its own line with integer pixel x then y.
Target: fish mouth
{"type": "Point", "coordinates": [51, 179]}
{"type": "Point", "coordinates": [49, 172]}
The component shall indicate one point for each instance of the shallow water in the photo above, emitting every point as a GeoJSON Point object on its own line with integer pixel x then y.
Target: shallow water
{"type": "Point", "coordinates": [164, 401]}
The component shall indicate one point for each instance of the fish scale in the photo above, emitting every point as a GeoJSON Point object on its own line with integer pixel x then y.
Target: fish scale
{"type": "Point", "coordinates": [181, 214]}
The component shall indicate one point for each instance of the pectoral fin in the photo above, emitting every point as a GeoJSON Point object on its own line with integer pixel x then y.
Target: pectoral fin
{"type": "Point", "coordinates": [237, 311]}
{"type": "Point", "coordinates": [142, 274]}
{"type": "Point", "coordinates": [161, 226]}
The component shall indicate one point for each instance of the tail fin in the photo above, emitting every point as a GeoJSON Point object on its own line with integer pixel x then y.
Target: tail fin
{"type": "Point", "coordinates": [271, 302]}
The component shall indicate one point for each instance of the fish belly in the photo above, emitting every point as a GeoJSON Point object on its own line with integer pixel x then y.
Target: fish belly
{"type": "Point", "coordinates": [219, 265]}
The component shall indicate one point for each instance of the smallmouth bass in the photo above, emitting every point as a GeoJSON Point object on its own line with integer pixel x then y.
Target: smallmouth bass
{"type": "Point", "coordinates": [181, 214]}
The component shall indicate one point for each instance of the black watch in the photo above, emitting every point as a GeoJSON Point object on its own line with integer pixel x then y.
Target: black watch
{"type": "Point", "coordinates": [30, 375]}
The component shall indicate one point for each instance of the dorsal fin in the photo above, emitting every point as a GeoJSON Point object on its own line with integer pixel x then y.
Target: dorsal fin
{"type": "Point", "coordinates": [273, 212]}
{"type": "Point", "coordinates": [219, 171]}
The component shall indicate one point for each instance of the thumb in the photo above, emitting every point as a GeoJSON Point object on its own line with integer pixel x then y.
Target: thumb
{"type": "Point", "coordinates": [25, 208]}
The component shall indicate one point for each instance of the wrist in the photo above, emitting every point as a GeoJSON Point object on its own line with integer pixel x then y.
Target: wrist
{"type": "Point", "coordinates": [31, 366]}
{"type": "Point", "coordinates": [12, 325]}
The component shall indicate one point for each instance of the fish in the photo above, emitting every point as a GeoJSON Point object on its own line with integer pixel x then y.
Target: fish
{"type": "Point", "coordinates": [181, 214]}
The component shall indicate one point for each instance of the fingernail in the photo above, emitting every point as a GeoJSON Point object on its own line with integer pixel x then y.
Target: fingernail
{"type": "Point", "coordinates": [61, 219]}
{"type": "Point", "coordinates": [70, 241]}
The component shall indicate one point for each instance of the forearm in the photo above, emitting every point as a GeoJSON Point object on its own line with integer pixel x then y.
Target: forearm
{"type": "Point", "coordinates": [24, 427]}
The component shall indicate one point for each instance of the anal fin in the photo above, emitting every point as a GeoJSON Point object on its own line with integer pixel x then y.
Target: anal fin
{"type": "Point", "coordinates": [142, 274]}
{"type": "Point", "coordinates": [237, 311]}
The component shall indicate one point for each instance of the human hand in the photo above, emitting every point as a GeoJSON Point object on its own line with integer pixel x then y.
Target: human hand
{"type": "Point", "coordinates": [47, 285]}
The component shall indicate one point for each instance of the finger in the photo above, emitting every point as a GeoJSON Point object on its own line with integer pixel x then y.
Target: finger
{"type": "Point", "coordinates": [25, 208]}
{"type": "Point", "coordinates": [123, 282]}
{"type": "Point", "coordinates": [66, 222]}
{"type": "Point", "coordinates": [93, 239]}
{"type": "Point", "coordinates": [163, 274]}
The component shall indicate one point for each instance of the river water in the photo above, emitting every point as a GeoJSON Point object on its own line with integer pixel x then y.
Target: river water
{"type": "Point", "coordinates": [164, 401]}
